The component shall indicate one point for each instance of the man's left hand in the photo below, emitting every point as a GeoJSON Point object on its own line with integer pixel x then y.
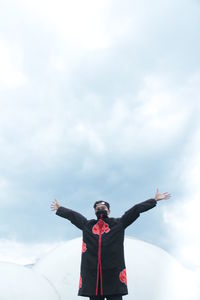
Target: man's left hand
{"type": "Point", "coordinates": [161, 196]}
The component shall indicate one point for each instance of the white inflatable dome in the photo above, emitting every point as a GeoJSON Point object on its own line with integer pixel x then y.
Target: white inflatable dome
{"type": "Point", "coordinates": [151, 272]}
{"type": "Point", "coordinates": [21, 283]}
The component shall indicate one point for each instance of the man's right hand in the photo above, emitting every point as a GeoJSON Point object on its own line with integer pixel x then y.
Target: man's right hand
{"type": "Point", "coordinates": [55, 205]}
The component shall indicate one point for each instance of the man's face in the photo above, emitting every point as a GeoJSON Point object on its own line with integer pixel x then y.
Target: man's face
{"type": "Point", "coordinates": [101, 206]}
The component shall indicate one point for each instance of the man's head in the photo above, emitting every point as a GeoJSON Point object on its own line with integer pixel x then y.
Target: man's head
{"type": "Point", "coordinates": [101, 208]}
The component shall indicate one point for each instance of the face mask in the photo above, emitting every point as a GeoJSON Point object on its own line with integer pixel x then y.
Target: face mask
{"type": "Point", "coordinates": [102, 212]}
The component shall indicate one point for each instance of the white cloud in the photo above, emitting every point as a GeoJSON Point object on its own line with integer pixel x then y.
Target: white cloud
{"type": "Point", "coordinates": [152, 122]}
{"type": "Point", "coordinates": [3, 184]}
{"type": "Point", "coordinates": [11, 62]}
{"type": "Point", "coordinates": [76, 21]}
{"type": "Point", "coordinates": [182, 220]}
{"type": "Point", "coordinates": [24, 253]}
{"type": "Point", "coordinates": [58, 63]}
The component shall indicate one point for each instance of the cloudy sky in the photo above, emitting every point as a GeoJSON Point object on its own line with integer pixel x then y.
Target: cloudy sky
{"type": "Point", "coordinates": [99, 100]}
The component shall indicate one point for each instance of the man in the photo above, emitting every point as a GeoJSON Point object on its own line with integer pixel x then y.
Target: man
{"type": "Point", "coordinates": [103, 270]}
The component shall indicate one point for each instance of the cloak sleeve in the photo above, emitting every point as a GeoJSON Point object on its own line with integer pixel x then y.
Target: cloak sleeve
{"type": "Point", "coordinates": [76, 219]}
{"type": "Point", "coordinates": [133, 213]}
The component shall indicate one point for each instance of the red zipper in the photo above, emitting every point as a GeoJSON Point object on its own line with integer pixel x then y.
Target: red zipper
{"type": "Point", "coordinates": [99, 267]}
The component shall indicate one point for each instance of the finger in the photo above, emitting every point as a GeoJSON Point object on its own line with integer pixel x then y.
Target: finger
{"type": "Point", "coordinates": [53, 206]}
{"type": "Point", "coordinates": [55, 202]}
{"type": "Point", "coordinates": [156, 190]}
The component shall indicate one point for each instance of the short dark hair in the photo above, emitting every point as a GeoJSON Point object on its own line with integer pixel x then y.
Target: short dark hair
{"type": "Point", "coordinates": [101, 202]}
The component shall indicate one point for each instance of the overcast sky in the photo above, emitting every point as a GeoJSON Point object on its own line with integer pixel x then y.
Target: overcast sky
{"type": "Point", "coordinates": [99, 100]}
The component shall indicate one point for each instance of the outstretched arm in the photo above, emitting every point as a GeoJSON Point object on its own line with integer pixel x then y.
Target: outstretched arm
{"type": "Point", "coordinates": [76, 218]}
{"type": "Point", "coordinates": [133, 213]}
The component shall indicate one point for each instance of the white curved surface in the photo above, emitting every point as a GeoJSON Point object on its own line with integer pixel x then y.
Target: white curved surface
{"type": "Point", "coordinates": [152, 273]}
{"type": "Point", "coordinates": [61, 266]}
{"type": "Point", "coordinates": [21, 283]}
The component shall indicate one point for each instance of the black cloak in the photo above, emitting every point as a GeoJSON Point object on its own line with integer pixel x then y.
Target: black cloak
{"type": "Point", "coordinates": [103, 269]}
